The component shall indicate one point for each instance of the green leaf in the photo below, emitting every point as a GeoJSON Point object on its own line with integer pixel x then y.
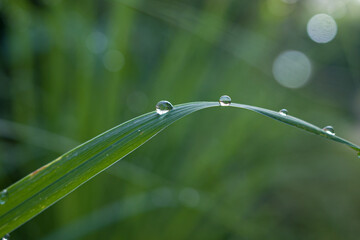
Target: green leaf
{"type": "Point", "coordinates": [43, 187]}
{"type": "Point", "coordinates": [296, 122]}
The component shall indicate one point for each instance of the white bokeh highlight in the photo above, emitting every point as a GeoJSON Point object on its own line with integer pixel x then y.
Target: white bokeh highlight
{"type": "Point", "coordinates": [292, 69]}
{"type": "Point", "coordinates": [322, 28]}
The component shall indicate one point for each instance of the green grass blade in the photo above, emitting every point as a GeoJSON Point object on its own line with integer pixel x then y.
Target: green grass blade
{"type": "Point", "coordinates": [42, 188]}
{"type": "Point", "coordinates": [296, 122]}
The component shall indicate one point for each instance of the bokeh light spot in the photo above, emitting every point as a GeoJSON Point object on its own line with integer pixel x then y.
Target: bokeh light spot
{"type": "Point", "coordinates": [322, 28]}
{"type": "Point", "coordinates": [334, 8]}
{"type": "Point", "coordinates": [290, 1]}
{"type": "Point", "coordinates": [96, 42]}
{"type": "Point", "coordinates": [292, 69]}
{"type": "Point", "coordinates": [113, 60]}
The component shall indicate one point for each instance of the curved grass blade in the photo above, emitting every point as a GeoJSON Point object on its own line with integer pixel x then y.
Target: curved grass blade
{"type": "Point", "coordinates": [296, 122]}
{"type": "Point", "coordinates": [45, 186]}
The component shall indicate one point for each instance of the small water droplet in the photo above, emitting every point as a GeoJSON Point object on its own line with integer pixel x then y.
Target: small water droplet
{"type": "Point", "coordinates": [359, 155]}
{"type": "Point", "coordinates": [329, 130]}
{"type": "Point", "coordinates": [6, 237]}
{"type": "Point", "coordinates": [3, 197]}
{"type": "Point", "coordinates": [163, 107]}
{"type": "Point", "coordinates": [225, 100]}
{"type": "Point", "coordinates": [283, 112]}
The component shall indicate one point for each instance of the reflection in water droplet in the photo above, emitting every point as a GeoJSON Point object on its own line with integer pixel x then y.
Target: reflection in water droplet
{"type": "Point", "coordinates": [163, 107]}
{"type": "Point", "coordinates": [283, 112]}
{"type": "Point", "coordinates": [329, 130]}
{"type": "Point", "coordinates": [322, 28]}
{"type": "Point", "coordinates": [225, 100]}
{"type": "Point", "coordinates": [6, 237]}
{"type": "Point", "coordinates": [3, 196]}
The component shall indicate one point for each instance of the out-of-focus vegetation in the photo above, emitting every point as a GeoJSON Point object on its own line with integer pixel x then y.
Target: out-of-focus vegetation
{"type": "Point", "coordinates": [72, 69]}
{"type": "Point", "coordinates": [40, 189]}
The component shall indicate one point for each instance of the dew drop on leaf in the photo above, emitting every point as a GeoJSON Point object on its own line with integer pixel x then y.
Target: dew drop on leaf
{"type": "Point", "coordinates": [283, 112]}
{"type": "Point", "coordinates": [6, 237]}
{"type": "Point", "coordinates": [3, 197]}
{"type": "Point", "coordinates": [329, 130]}
{"type": "Point", "coordinates": [163, 107]}
{"type": "Point", "coordinates": [225, 100]}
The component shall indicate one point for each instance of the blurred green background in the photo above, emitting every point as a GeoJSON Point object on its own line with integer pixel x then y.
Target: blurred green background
{"type": "Point", "coordinates": [73, 69]}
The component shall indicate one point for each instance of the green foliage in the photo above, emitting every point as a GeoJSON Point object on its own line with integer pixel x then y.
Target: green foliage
{"type": "Point", "coordinates": [43, 187]}
{"type": "Point", "coordinates": [69, 70]}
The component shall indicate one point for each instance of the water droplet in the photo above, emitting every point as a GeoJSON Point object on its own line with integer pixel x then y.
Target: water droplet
{"type": "Point", "coordinates": [163, 107]}
{"type": "Point", "coordinates": [6, 237]}
{"type": "Point", "coordinates": [3, 197]}
{"type": "Point", "coordinates": [359, 155]}
{"type": "Point", "coordinates": [283, 112]}
{"type": "Point", "coordinates": [225, 100]}
{"type": "Point", "coordinates": [329, 130]}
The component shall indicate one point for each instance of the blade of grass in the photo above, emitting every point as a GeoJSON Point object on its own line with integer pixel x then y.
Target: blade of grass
{"type": "Point", "coordinates": [42, 188]}
{"type": "Point", "coordinates": [296, 122]}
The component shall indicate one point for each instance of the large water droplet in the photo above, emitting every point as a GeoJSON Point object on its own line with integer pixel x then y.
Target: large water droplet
{"type": "Point", "coordinates": [6, 237]}
{"type": "Point", "coordinates": [163, 107]}
{"type": "Point", "coordinates": [3, 196]}
{"type": "Point", "coordinates": [225, 100]}
{"type": "Point", "coordinates": [329, 130]}
{"type": "Point", "coordinates": [283, 112]}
